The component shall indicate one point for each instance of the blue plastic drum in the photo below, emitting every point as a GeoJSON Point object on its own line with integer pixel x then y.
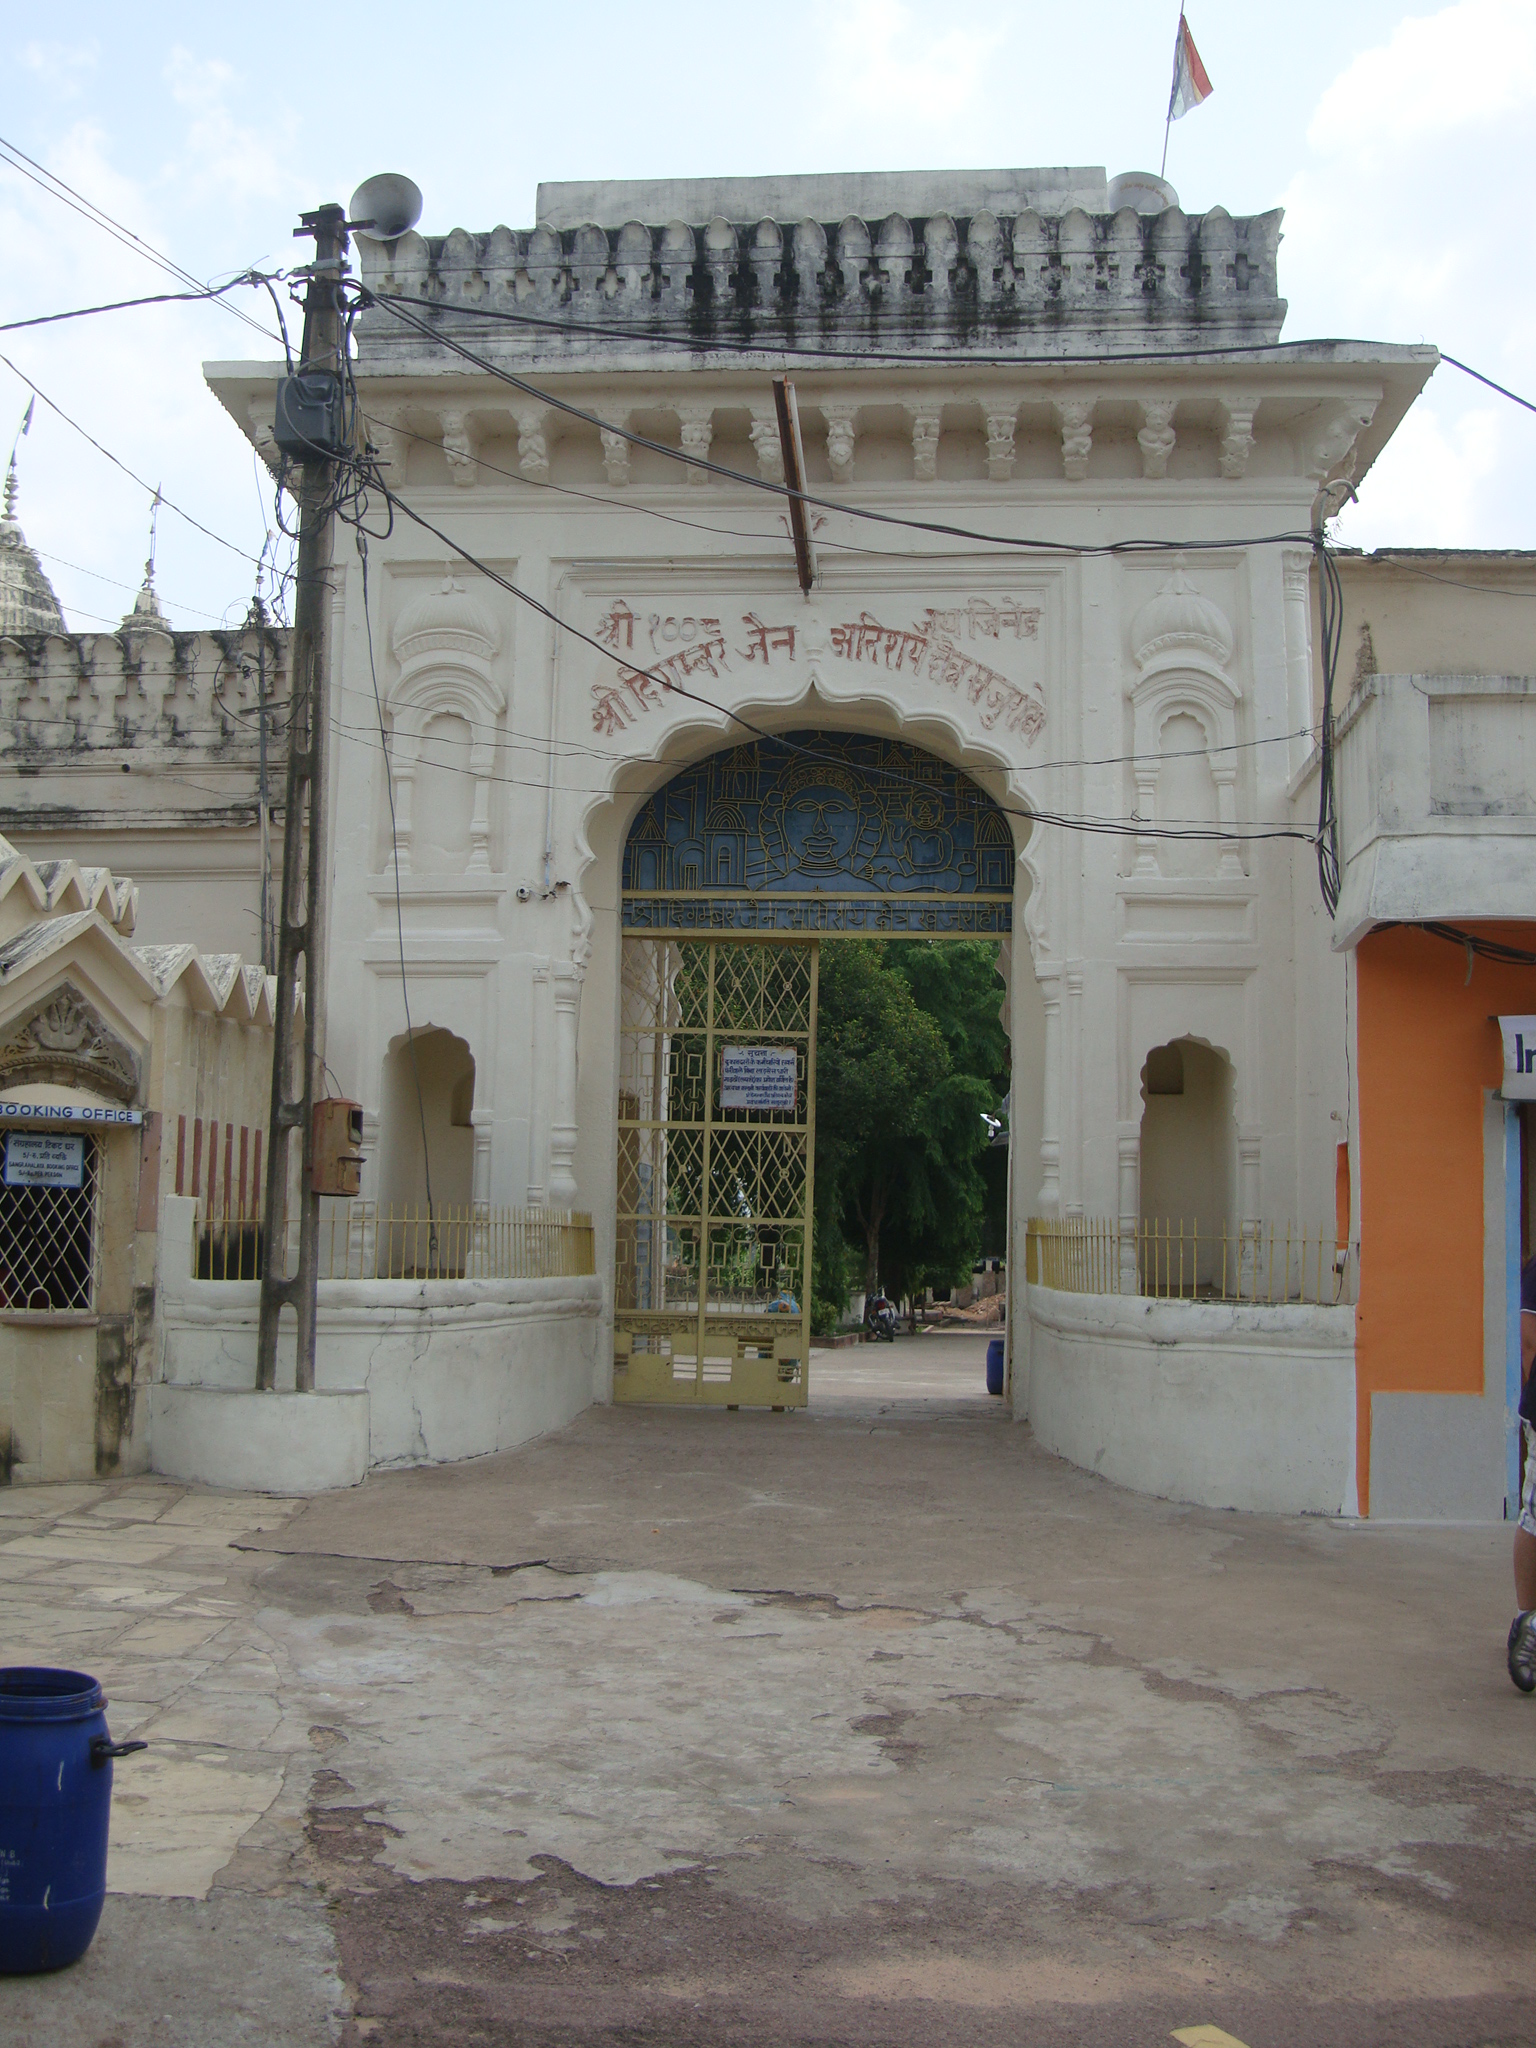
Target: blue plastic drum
{"type": "Point", "coordinates": [995, 1366]}
{"type": "Point", "coordinates": [55, 1801]}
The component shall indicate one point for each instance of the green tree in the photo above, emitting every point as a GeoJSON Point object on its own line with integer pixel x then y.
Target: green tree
{"type": "Point", "coordinates": [956, 982]}
{"type": "Point", "coordinates": [907, 1049]}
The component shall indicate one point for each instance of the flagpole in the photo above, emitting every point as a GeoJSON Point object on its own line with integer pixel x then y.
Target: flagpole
{"type": "Point", "coordinates": [24, 428]}
{"type": "Point", "coordinates": [1178, 42]}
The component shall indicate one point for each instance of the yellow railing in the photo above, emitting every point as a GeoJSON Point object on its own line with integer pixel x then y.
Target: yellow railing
{"type": "Point", "coordinates": [1169, 1259]}
{"type": "Point", "coordinates": [361, 1241]}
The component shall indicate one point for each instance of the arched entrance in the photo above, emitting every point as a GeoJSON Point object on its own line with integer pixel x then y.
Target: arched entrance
{"type": "Point", "coordinates": [734, 875]}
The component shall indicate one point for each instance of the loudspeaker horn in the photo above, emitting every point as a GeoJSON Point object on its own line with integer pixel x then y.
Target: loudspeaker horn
{"type": "Point", "coordinates": [385, 207]}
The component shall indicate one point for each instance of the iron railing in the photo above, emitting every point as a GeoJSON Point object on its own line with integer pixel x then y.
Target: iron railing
{"type": "Point", "coordinates": [1171, 1259]}
{"type": "Point", "coordinates": [361, 1241]}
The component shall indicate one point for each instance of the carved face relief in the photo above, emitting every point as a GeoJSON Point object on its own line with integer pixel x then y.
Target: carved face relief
{"type": "Point", "coordinates": [821, 824]}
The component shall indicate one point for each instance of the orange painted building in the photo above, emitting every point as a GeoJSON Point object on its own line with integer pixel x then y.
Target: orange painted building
{"type": "Point", "coordinates": [1432, 1231]}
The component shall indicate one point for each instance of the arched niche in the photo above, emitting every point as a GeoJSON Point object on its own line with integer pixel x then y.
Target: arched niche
{"type": "Point", "coordinates": [445, 711]}
{"type": "Point", "coordinates": [446, 1069]}
{"type": "Point", "coordinates": [1184, 706]}
{"type": "Point", "coordinates": [1189, 1145]}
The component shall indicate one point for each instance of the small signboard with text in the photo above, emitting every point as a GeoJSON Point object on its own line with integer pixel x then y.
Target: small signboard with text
{"type": "Point", "coordinates": [1519, 1058]}
{"type": "Point", "coordinates": [757, 1077]}
{"type": "Point", "coordinates": [43, 1159]}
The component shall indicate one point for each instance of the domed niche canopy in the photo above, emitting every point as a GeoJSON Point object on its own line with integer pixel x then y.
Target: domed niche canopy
{"type": "Point", "coordinates": [1178, 620]}
{"type": "Point", "coordinates": [446, 621]}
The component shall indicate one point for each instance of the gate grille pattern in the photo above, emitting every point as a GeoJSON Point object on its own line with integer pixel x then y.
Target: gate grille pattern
{"type": "Point", "coordinates": [713, 1260]}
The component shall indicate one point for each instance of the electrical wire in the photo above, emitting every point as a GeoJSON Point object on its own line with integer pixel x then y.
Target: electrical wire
{"type": "Point", "coordinates": [394, 841]}
{"type": "Point", "coordinates": [1125, 827]}
{"type": "Point", "coordinates": [1503, 389]}
{"type": "Point", "coordinates": [784, 490]}
{"type": "Point", "coordinates": [117, 463]}
{"type": "Point", "coordinates": [537, 743]}
{"type": "Point", "coordinates": [1280, 351]}
{"type": "Point", "coordinates": [1131, 828]}
{"type": "Point", "coordinates": [117, 583]}
{"type": "Point", "coordinates": [1475, 943]}
{"type": "Point", "coordinates": [635, 503]}
{"type": "Point", "coordinates": [123, 305]}
{"type": "Point", "coordinates": [724, 345]}
{"type": "Point", "coordinates": [1396, 558]}
{"type": "Point", "coordinates": [56, 188]}
{"type": "Point", "coordinates": [1330, 605]}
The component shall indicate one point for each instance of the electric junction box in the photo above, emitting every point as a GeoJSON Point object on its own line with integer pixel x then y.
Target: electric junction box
{"type": "Point", "coordinates": [310, 421]}
{"type": "Point", "coordinates": [335, 1160]}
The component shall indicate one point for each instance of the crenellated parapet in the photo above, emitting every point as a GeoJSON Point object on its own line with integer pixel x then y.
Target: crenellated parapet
{"type": "Point", "coordinates": [158, 695]}
{"type": "Point", "coordinates": [1034, 283]}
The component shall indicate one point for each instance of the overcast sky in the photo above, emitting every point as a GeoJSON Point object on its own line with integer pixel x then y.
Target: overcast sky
{"type": "Point", "coordinates": [1398, 141]}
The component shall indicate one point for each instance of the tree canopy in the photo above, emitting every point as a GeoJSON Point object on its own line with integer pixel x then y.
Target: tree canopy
{"type": "Point", "coordinates": [910, 1051]}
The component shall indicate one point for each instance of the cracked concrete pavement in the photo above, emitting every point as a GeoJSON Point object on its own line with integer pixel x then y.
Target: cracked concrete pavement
{"type": "Point", "coordinates": [872, 1724]}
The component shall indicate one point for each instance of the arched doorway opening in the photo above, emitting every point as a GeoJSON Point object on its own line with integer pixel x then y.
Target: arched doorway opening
{"type": "Point", "coordinates": [433, 1127]}
{"type": "Point", "coordinates": [735, 875]}
{"type": "Point", "coordinates": [1189, 1153]}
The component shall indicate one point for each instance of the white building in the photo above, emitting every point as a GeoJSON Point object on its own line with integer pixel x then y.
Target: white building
{"type": "Point", "coordinates": [990, 412]}
{"type": "Point", "coordinates": [1054, 680]}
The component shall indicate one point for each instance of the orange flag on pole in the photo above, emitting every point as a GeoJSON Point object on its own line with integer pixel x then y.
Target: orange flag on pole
{"type": "Point", "coordinates": [1190, 83]}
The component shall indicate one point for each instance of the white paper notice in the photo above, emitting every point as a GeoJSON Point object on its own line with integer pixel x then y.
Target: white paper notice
{"type": "Point", "coordinates": [757, 1077]}
{"type": "Point", "coordinates": [38, 1159]}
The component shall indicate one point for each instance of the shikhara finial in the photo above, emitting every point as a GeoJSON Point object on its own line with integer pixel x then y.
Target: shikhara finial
{"type": "Point", "coordinates": [154, 516]}
{"type": "Point", "coordinates": [10, 475]}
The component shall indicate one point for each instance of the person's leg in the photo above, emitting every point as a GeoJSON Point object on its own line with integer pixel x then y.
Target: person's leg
{"type": "Point", "coordinates": [1522, 1630]}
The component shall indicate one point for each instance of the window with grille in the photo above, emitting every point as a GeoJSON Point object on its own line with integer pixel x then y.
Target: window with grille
{"type": "Point", "coordinates": [47, 1221]}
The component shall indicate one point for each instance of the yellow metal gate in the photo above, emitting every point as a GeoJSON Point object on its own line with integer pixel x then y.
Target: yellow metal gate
{"type": "Point", "coordinates": [717, 1125]}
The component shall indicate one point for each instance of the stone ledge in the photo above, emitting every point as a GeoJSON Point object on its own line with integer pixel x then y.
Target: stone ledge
{"type": "Point", "coordinates": [260, 1443]}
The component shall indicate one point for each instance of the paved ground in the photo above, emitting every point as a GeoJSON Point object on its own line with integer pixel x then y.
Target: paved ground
{"type": "Point", "coordinates": [871, 1725]}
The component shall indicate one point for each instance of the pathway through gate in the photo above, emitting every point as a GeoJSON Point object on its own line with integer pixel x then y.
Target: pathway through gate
{"type": "Point", "coordinates": [734, 874]}
{"type": "Point", "coordinates": [717, 1124]}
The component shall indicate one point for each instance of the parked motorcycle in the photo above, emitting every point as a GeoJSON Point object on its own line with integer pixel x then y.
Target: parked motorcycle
{"type": "Point", "coordinates": [880, 1320]}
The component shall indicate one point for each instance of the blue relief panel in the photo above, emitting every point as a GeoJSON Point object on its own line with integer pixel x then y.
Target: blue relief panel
{"type": "Point", "coordinates": [817, 815]}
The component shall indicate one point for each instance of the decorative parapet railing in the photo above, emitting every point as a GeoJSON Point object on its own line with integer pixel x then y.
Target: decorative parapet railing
{"type": "Point", "coordinates": [1255, 1264]}
{"type": "Point", "coordinates": [361, 1241]}
{"type": "Point", "coordinates": [979, 281]}
{"type": "Point", "coordinates": [72, 699]}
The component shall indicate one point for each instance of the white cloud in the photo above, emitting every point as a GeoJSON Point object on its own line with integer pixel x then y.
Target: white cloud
{"type": "Point", "coordinates": [886, 66]}
{"type": "Point", "coordinates": [1433, 483]}
{"type": "Point", "coordinates": [63, 66]}
{"type": "Point", "coordinates": [247, 162]}
{"type": "Point", "coordinates": [1435, 73]}
{"type": "Point", "coordinates": [1397, 232]}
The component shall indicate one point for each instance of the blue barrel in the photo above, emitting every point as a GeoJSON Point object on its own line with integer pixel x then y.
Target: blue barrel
{"type": "Point", "coordinates": [995, 1366]}
{"type": "Point", "coordinates": [55, 1798]}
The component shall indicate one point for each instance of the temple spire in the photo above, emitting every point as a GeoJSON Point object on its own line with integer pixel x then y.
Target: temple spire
{"type": "Point", "coordinates": [146, 606]}
{"type": "Point", "coordinates": [27, 601]}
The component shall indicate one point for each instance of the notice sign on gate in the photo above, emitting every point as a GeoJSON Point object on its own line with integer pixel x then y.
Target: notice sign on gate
{"type": "Point", "coordinates": [757, 1077]}
{"type": "Point", "coordinates": [40, 1159]}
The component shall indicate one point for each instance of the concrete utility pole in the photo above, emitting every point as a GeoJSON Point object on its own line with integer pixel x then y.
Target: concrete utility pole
{"type": "Point", "coordinates": [306, 848]}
